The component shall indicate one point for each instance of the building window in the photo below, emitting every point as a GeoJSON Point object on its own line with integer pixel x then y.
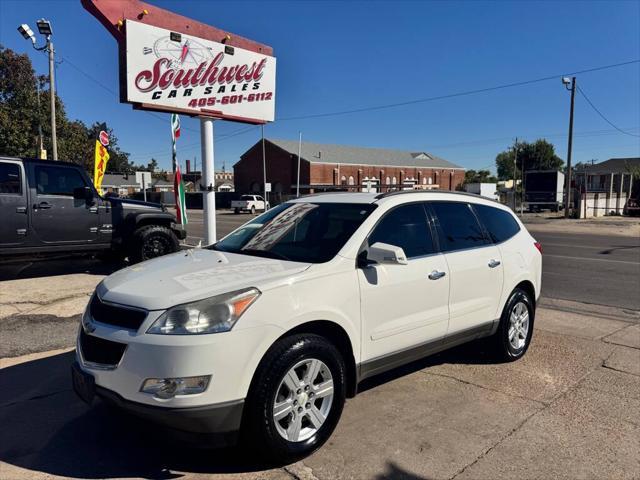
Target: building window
{"type": "Point", "coordinates": [430, 181]}
{"type": "Point", "coordinates": [343, 180]}
{"type": "Point", "coordinates": [394, 181]}
{"type": "Point", "coordinates": [388, 181]}
{"type": "Point", "coordinates": [424, 180]}
{"type": "Point", "coordinates": [351, 180]}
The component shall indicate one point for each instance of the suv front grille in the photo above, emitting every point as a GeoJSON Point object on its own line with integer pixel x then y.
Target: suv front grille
{"type": "Point", "coordinates": [99, 350]}
{"type": "Point", "coordinates": [116, 315]}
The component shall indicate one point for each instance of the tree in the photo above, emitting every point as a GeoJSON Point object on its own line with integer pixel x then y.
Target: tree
{"type": "Point", "coordinates": [152, 166]}
{"type": "Point", "coordinates": [20, 115]}
{"type": "Point", "coordinates": [539, 155]}
{"type": "Point", "coordinates": [480, 176]}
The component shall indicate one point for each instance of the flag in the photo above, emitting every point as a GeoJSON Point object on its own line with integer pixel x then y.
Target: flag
{"type": "Point", "coordinates": [178, 185]}
{"type": "Point", "coordinates": [101, 157]}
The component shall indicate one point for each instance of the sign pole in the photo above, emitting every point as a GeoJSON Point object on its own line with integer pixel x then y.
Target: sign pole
{"type": "Point", "coordinates": [208, 182]}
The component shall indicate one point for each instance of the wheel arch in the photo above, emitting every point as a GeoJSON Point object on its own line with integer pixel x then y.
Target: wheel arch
{"type": "Point", "coordinates": [334, 333]}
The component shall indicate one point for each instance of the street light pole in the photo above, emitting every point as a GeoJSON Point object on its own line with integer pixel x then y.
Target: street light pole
{"type": "Point", "coordinates": [567, 187]}
{"type": "Point", "coordinates": [52, 95]}
{"type": "Point", "coordinates": [44, 27]}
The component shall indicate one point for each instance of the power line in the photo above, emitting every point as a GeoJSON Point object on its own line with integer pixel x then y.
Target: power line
{"type": "Point", "coordinates": [457, 94]}
{"type": "Point", "coordinates": [602, 116]}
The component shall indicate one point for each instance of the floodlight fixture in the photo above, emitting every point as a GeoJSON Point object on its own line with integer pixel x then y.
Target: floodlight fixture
{"type": "Point", "coordinates": [566, 81]}
{"type": "Point", "coordinates": [44, 27]}
{"type": "Point", "coordinates": [27, 33]}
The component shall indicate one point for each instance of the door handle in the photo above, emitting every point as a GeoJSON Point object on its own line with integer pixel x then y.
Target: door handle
{"type": "Point", "coordinates": [435, 275]}
{"type": "Point", "coordinates": [42, 205]}
{"type": "Point", "coordinates": [493, 263]}
{"type": "Point", "coordinates": [21, 209]}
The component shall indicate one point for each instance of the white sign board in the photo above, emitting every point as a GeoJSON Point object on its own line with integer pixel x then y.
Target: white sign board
{"type": "Point", "coordinates": [178, 72]}
{"type": "Point", "coordinates": [267, 187]}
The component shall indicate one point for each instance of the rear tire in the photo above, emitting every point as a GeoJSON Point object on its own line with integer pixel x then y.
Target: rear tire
{"type": "Point", "coordinates": [290, 415]}
{"type": "Point", "coordinates": [253, 210]}
{"type": "Point", "coordinates": [515, 330]}
{"type": "Point", "coordinates": [152, 241]}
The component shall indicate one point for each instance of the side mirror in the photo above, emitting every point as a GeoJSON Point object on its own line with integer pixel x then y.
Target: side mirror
{"type": "Point", "coordinates": [83, 193]}
{"type": "Point", "coordinates": [383, 253]}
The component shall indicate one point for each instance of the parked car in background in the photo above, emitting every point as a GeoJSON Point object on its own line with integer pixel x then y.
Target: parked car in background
{"type": "Point", "coordinates": [632, 207]}
{"type": "Point", "coordinates": [51, 207]}
{"type": "Point", "coordinates": [273, 326]}
{"type": "Point", "coordinates": [249, 203]}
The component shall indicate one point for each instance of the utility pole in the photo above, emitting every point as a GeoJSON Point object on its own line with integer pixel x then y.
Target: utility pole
{"type": "Point", "coordinates": [515, 163]}
{"type": "Point", "coordinates": [298, 182]}
{"type": "Point", "coordinates": [566, 81]}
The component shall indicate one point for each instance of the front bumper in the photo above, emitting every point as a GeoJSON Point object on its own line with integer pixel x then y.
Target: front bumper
{"type": "Point", "coordinates": [217, 425]}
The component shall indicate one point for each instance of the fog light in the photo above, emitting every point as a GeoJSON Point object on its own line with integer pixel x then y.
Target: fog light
{"type": "Point", "coordinates": [170, 387]}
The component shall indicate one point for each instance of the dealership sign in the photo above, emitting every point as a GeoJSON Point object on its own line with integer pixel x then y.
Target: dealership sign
{"type": "Point", "coordinates": [177, 72]}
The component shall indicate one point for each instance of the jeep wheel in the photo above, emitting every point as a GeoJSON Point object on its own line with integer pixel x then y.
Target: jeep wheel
{"type": "Point", "coordinates": [253, 210]}
{"type": "Point", "coordinates": [296, 398]}
{"type": "Point", "coordinates": [152, 241]}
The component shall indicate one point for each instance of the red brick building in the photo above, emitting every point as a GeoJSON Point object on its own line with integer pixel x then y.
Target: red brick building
{"type": "Point", "coordinates": [326, 167]}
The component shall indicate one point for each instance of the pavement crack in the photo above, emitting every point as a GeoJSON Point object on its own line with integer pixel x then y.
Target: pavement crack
{"type": "Point", "coordinates": [466, 382]}
{"type": "Point", "coordinates": [620, 371]}
{"type": "Point", "coordinates": [300, 471]}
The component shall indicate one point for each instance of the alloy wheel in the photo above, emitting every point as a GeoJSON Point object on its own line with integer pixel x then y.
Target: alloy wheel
{"type": "Point", "coordinates": [303, 400]}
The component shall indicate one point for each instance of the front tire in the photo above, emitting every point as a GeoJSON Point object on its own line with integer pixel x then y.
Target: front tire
{"type": "Point", "coordinates": [515, 330]}
{"type": "Point", "coordinates": [253, 210]}
{"type": "Point", "coordinates": [152, 241]}
{"type": "Point", "coordinates": [296, 398]}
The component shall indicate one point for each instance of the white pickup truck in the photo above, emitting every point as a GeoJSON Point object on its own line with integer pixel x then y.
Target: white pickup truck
{"type": "Point", "coordinates": [249, 203]}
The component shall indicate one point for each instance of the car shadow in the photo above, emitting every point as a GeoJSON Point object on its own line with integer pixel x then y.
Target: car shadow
{"type": "Point", "coordinates": [46, 428]}
{"type": "Point", "coordinates": [14, 269]}
{"type": "Point", "coordinates": [477, 352]}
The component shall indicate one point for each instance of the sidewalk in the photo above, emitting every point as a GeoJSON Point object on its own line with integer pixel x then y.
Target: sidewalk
{"type": "Point", "coordinates": [569, 409]}
{"type": "Point", "coordinates": [608, 225]}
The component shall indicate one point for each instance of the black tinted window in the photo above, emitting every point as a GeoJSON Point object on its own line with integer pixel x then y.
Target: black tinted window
{"type": "Point", "coordinates": [10, 178]}
{"type": "Point", "coordinates": [58, 180]}
{"type": "Point", "coordinates": [405, 227]}
{"type": "Point", "coordinates": [500, 224]}
{"type": "Point", "coordinates": [458, 226]}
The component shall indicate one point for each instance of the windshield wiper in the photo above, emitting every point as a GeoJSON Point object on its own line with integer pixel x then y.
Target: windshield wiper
{"type": "Point", "coordinates": [263, 253]}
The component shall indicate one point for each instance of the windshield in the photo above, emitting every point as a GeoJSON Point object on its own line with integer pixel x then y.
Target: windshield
{"type": "Point", "coordinates": [246, 197]}
{"type": "Point", "coordinates": [300, 232]}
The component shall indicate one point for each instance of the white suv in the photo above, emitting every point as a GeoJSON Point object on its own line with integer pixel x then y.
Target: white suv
{"type": "Point", "coordinates": [267, 331]}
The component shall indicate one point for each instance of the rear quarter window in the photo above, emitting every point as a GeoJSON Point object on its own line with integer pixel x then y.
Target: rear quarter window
{"type": "Point", "coordinates": [499, 223]}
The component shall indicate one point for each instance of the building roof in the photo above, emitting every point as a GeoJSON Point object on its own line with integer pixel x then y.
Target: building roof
{"type": "Point", "coordinates": [161, 182]}
{"type": "Point", "coordinates": [614, 165]}
{"type": "Point", "coordinates": [119, 180]}
{"type": "Point", "coordinates": [347, 155]}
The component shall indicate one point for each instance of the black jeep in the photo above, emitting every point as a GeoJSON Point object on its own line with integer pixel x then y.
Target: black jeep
{"type": "Point", "coordinates": [52, 207]}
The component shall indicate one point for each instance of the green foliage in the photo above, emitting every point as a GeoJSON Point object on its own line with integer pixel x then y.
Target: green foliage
{"type": "Point", "coordinates": [20, 115]}
{"type": "Point", "coordinates": [539, 155]}
{"type": "Point", "coordinates": [480, 176]}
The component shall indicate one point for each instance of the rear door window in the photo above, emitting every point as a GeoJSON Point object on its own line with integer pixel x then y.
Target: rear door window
{"type": "Point", "coordinates": [499, 223]}
{"type": "Point", "coordinates": [406, 227]}
{"type": "Point", "coordinates": [10, 179]}
{"type": "Point", "coordinates": [459, 228]}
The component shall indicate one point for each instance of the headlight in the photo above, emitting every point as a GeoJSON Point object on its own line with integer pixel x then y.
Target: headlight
{"type": "Point", "coordinates": [211, 315]}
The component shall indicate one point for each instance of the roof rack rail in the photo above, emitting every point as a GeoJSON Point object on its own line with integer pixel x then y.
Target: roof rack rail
{"type": "Point", "coordinates": [405, 192]}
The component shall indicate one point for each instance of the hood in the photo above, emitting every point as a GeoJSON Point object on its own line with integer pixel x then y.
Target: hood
{"type": "Point", "coordinates": [191, 275]}
{"type": "Point", "coordinates": [128, 204]}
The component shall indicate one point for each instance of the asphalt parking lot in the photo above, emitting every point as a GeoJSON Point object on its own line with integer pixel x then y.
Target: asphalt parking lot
{"type": "Point", "coordinates": [569, 409]}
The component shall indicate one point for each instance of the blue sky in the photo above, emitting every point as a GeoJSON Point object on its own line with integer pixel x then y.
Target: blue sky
{"type": "Point", "coordinates": [335, 56]}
